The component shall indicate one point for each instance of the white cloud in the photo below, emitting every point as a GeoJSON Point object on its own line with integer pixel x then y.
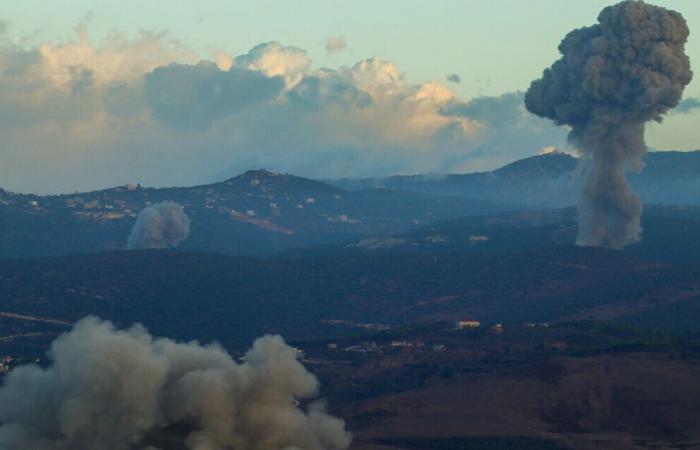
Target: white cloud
{"type": "Point", "coordinates": [380, 78]}
{"type": "Point", "coordinates": [194, 96]}
{"type": "Point", "coordinates": [117, 60]}
{"type": "Point", "coordinates": [81, 116]}
{"type": "Point", "coordinates": [335, 44]}
{"type": "Point", "coordinates": [223, 60]}
{"type": "Point", "coordinates": [274, 59]}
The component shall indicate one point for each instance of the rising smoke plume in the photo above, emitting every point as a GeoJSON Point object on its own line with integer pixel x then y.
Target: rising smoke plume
{"type": "Point", "coordinates": [612, 78]}
{"type": "Point", "coordinates": [163, 225]}
{"type": "Point", "coordinates": [109, 389]}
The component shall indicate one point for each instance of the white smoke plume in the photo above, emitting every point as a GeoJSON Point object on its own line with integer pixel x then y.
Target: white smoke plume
{"type": "Point", "coordinates": [613, 77]}
{"type": "Point", "coordinates": [163, 225]}
{"type": "Point", "coordinates": [110, 389]}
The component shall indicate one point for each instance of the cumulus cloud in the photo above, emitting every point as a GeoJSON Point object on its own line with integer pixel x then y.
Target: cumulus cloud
{"type": "Point", "coordinates": [507, 129]}
{"type": "Point", "coordinates": [77, 116]}
{"type": "Point", "coordinates": [110, 389]}
{"type": "Point", "coordinates": [273, 59]}
{"type": "Point", "coordinates": [223, 61]}
{"type": "Point", "coordinates": [327, 87]}
{"type": "Point", "coordinates": [378, 77]}
{"type": "Point", "coordinates": [194, 95]}
{"type": "Point", "coordinates": [163, 225]}
{"type": "Point", "coordinates": [335, 44]}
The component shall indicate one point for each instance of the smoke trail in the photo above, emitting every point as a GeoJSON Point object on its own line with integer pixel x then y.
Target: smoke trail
{"type": "Point", "coordinates": [163, 225]}
{"type": "Point", "coordinates": [109, 389]}
{"type": "Point", "coordinates": [612, 78]}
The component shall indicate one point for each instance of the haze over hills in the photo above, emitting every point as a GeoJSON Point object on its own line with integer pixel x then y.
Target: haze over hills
{"type": "Point", "coordinates": [256, 213]}
{"type": "Point", "coordinates": [669, 233]}
{"type": "Point", "coordinates": [552, 180]}
{"type": "Point", "coordinates": [261, 213]}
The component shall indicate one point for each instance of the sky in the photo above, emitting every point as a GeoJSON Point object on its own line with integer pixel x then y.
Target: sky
{"type": "Point", "coordinates": [88, 98]}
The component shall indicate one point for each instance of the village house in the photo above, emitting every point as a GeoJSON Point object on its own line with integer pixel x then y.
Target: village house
{"type": "Point", "coordinates": [463, 324]}
{"type": "Point", "coordinates": [496, 328]}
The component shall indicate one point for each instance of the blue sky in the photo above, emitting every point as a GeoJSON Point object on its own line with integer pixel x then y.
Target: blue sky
{"type": "Point", "coordinates": [497, 47]}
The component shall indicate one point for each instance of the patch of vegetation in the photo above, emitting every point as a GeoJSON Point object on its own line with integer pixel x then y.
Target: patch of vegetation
{"type": "Point", "coordinates": [587, 338]}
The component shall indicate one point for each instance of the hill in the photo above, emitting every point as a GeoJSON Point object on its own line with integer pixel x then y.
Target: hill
{"type": "Point", "coordinates": [563, 370]}
{"type": "Point", "coordinates": [256, 213]}
{"type": "Point", "coordinates": [576, 385]}
{"type": "Point", "coordinates": [233, 299]}
{"type": "Point", "coordinates": [260, 213]}
{"type": "Point", "coordinates": [669, 233]}
{"type": "Point", "coordinates": [552, 180]}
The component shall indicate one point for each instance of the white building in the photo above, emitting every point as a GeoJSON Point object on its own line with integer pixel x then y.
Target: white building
{"type": "Point", "coordinates": [462, 324]}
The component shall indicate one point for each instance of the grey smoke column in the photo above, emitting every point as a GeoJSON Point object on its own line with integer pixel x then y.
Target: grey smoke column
{"type": "Point", "coordinates": [109, 389]}
{"type": "Point", "coordinates": [163, 225]}
{"type": "Point", "coordinates": [612, 78]}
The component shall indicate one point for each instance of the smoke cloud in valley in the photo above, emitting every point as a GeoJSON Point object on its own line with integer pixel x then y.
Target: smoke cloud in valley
{"type": "Point", "coordinates": [162, 225]}
{"type": "Point", "coordinates": [110, 389]}
{"type": "Point", "coordinates": [613, 77]}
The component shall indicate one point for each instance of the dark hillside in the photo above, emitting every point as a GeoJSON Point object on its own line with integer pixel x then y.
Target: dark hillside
{"type": "Point", "coordinates": [236, 299]}
{"type": "Point", "coordinates": [257, 213]}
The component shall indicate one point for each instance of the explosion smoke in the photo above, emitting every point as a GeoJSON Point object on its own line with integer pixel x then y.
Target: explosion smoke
{"type": "Point", "coordinates": [109, 389]}
{"type": "Point", "coordinates": [163, 225]}
{"type": "Point", "coordinates": [612, 78]}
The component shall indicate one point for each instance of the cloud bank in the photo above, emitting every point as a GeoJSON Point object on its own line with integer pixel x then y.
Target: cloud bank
{"type": "Point", "coordinates": [77, 116]}
{"type": "Point", "coordinates": [194, 96]}
{"type": "Point", "coordinates": [110, 389]}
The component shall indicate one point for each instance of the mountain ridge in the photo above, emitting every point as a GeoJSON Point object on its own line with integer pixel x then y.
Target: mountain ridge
{"type": "Point", "coordinates": [256, 213]}
{"type": "Point", "coordinates": [551, 180]}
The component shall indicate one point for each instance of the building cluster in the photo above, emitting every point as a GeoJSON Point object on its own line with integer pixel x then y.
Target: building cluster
{"type": "Point", "coordinates": [407, 345]}
{"type": "Point", "coordinates": [364, 347]}
{"type": "Point", "coordinates": [104, 208]}
{"type": "Point", "coordinates": [347, 323]}
{"type": "Point", "coordinates": [496, 328]}
{"type": "Point", "coordinates": [466, 324]}
{"type": "Point", "coordinates": [395, 345]}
